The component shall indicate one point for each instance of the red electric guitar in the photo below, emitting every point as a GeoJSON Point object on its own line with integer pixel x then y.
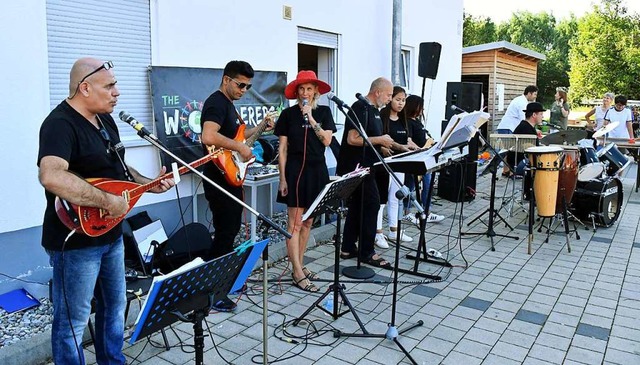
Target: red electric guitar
{"type": "Point", "coordinates": [230, 163]}
{"type": "Point", "coordinates": [91, 221]}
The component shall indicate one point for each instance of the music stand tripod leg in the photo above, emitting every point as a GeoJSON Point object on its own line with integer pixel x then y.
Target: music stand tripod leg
{"type": "Point", "coordinates": [336, 288]}
{"type": "Point", "coordinates": [392, 331]}
{"type": "Point", "coordinates": [566, 222]}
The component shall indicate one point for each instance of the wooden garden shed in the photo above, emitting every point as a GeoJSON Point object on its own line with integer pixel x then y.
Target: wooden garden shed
{"type": "Point", "coordinates": [504, 69]}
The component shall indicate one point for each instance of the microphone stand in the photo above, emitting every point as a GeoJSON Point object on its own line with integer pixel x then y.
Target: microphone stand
{"type": "Point", "coordinates": [392, 331]}
{"type": "Point", "coordinates": [144, 134]}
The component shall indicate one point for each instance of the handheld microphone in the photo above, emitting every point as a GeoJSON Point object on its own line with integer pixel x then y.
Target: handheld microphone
{"type": "Point", "coordinates": [456, 108]}
{"type": "Point", "coordinates": [142, 131]}
{"type": "Point", "coordinates": [305, 102]}
{"type": "Point", "coordinates": [363, 99]}
{"type": "Point", "coordinates": [331, 96]}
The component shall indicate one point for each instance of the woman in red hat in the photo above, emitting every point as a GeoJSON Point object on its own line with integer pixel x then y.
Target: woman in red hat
{"type": "Point", "coordinates": [304, 130]}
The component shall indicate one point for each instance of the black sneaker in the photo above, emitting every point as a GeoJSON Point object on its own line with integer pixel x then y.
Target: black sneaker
{"type": "Point", "coordinates": [224, 305]}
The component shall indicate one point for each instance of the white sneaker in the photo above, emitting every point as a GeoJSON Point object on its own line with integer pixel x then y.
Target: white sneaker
{"type": "Point", "coordinates": [434, 218]}
{"type": "Point", "coordinates": [381, 241]}
{"type": "Point", "coordinates": [435, 253]}
{"type": "Point", "coordinates": [403, 237]}
{"type": "Point", "coordinates": [411, 218]}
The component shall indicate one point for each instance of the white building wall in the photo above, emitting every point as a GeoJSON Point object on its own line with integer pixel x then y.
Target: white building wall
{"type": "Point", "coordinates": [199, 33]}
{"type": "Point", "coordinates": [24, 103]}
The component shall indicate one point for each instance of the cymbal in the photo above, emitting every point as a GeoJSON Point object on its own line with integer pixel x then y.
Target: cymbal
{"type": "Point", "coordinates": [605, 129]}
{"type": "Point", "coordinates": [562, 137]}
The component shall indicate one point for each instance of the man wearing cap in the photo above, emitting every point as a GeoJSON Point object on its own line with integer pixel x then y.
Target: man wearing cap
{"type": "Point", "coordinates": [533, 117]}
{"type": "Point", "coordinates": [220, 122]}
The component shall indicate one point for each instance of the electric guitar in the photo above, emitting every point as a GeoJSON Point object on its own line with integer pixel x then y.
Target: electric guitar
{"type": "Point", "coordinates": [91, 221]}
{"type": "Point", "coordinates": [230, 163]}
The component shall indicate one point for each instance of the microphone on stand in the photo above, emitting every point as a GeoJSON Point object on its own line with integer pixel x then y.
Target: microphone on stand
{"type": "Point", "coordinates": [331, 96]}
{"type": "Point", "coordinates": [363, 99]}
{"type": "Point", "coordinates": [142, 131]}
{"type": "Point", "coordinates": [305, 102]}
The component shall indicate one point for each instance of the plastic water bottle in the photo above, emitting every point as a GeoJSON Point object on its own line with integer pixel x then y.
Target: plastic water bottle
{"type": "Point", "coordinates": [328, 304]}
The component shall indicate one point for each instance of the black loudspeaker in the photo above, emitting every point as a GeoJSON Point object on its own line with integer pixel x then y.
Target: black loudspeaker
{"type": "Point", "coordinates": [457, 182]}
{"type": "Point", "coordinates": [465, 95]}
{"type": "Point", "coordinates": [191, 241]}
{"type": "Point", "coordinates": [429, 59]}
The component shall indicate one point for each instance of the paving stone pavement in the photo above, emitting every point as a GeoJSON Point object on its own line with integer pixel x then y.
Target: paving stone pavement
{"type": "Point", "coordinates": [491, 307]}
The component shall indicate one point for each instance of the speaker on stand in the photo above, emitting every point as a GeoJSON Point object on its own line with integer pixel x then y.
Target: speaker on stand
{"type": "Point", "coordinates": [428, 62]}
{"type": "Point", "coordinates": [458, 181]}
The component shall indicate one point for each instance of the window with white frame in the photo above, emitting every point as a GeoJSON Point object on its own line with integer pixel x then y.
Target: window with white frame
{"type": "Point", "coordinates": [405, 67]}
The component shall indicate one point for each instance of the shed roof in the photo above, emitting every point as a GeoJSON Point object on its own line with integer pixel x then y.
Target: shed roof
{"type": "Point", "coordinates": [506, 47]}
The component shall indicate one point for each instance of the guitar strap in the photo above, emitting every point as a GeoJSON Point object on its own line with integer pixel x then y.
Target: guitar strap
{"type": "Point", "coordinates": [116, 150]}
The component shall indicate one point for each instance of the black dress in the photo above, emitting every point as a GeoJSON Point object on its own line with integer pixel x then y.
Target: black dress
{"type": "Point", "coordinates": [306, 169]}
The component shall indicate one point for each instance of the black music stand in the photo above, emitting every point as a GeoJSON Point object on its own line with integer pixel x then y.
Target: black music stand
{"type": "Point", "coordinates": [332, 199]}
{"type": "Point", "coordinates": [188, 296]}
{"type": "Point", "coordinates": [493, 167]}
{"type": "Point", "coordinates": [416, 163]}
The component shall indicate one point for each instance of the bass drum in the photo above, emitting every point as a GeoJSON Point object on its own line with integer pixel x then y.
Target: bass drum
{"type": "Point", "coordinates": [601, 198]}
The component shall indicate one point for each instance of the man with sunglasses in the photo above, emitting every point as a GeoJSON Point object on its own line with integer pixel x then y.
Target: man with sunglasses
{"type": "Point", "coordinates": [79, 140]}
{"type": "Point", "coordinates": [220, 122]}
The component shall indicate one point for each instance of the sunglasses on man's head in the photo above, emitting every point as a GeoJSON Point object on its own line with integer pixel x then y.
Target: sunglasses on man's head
{"type": "Point", "coordinates": [241, 85]}
{"type": "Point", "coordinates": [105, 66]}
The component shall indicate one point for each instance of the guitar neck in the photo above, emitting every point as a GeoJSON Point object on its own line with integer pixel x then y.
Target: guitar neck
{"type": "Point", "coordinates": [183, 170]}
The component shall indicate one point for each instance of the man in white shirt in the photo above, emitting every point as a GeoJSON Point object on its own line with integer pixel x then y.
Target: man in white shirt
{"type": "Point", "coordinates": [515, 111]}
{"type": "Point", "coordinates": [620, 113]}
{"type": "Point", "coordinates": [514, 115]}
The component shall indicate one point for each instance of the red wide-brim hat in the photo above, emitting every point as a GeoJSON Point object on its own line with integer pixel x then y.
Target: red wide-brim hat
{"type": "Point", "coordinates": [290, 92]}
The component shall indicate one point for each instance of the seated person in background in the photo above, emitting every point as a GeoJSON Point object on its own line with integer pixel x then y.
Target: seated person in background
{"type": "Point", "coordinates": [533, 117]}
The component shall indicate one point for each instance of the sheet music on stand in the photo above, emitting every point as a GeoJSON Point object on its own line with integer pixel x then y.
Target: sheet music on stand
{"type": "Point", "coordinates": [347, 184]}
{"type": "Point", "coordinates": [460, 129]}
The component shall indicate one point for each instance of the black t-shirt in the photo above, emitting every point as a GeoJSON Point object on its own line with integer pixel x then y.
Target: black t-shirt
{"type": "Point", "coordinates": [418, 132]}
{"type": "Point", "coordinates": [525, 128]}
{"type": "Point", "coordinates": [350, 155]}
{"type": "Point", "coordinates": [65, 133]}
{"type": "Point", "coordinates": [292, 125]}
{"type": "Point", "coordinates": [398, 132]}
{"type": "Point", "coordinates": [219, 109]}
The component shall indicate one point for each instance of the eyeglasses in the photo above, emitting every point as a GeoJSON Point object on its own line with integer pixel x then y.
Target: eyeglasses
{"type": "Point", "coordinates": [107, 138]}
{"type": "Point", "coordinates": [105, 66]}
{"type": "Point", "coordinates": [241, 85]}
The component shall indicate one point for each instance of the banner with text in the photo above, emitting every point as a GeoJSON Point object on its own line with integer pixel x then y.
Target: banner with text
{"type": "Point", "coordinates": [180, 92]}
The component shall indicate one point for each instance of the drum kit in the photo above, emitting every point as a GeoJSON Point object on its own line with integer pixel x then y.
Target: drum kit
{"type": "Point", "coordinates": [586, 180]}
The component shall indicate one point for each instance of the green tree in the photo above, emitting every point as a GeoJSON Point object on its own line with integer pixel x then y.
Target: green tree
{"type": "Point", "coordinates": [477, 30]}
{"type": "Point", "coordinates": [605, 55]}
{"type": "Point", "coordinates": [540, 32]}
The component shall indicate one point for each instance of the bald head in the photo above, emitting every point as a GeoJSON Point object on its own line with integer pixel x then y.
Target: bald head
{"type": "Point", "coordinates": [380, 92]}
{"type": "Point", "coordinates": [379, 84]}
{"type": "Point", "coordinates": [81, 68]}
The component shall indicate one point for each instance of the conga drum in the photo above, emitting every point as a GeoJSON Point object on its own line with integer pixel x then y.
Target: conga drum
{"type": "Point", "coordinates": [545, 162]}
{"type": "Point", "coordinates": [568, 176]}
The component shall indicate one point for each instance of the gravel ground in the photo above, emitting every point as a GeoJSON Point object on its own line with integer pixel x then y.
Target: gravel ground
{"type": "Point", "coordinates": [19, 326]}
